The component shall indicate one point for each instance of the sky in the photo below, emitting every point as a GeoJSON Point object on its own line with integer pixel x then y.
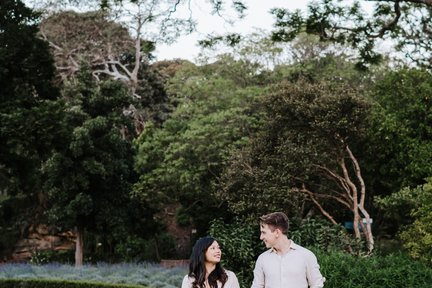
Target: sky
{"type": "Point", "coordinates": [257, 16]}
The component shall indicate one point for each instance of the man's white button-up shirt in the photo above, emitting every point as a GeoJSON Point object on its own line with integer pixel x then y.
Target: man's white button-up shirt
{"type": "Point", "coordinates": [298, 268]}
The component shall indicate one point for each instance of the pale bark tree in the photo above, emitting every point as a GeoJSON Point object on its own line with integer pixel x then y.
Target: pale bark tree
{"type": "Point", "coordinates": [351, 194]}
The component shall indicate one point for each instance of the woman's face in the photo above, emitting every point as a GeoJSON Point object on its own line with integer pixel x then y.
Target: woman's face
{"type": "Point", "coordinates": [213, 253]}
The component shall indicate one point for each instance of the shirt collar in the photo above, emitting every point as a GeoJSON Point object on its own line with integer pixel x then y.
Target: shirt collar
{"type": "Point", "coordinates": [292, 246]}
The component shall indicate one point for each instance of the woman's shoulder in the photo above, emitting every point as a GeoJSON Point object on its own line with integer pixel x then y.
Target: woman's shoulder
{"type": "Point", "coordinates": [232, 281]}
{"type": "Point", "coordinates": [230, 273]}
{"type": "Point", "coordinates": [187, 281]}
{"type": "Point", "coordinates": [188, 277]}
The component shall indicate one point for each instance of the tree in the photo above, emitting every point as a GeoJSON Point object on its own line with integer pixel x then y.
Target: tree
{"type": "Point", "coordinates": [91, 39]}
{"type": "Point", "coordinates": [182, 160]}
{"type": "Point", "coordinates": [401, 130]}
{"type": "Point", "coordinates": [88, 180]}
{"type": "Point", "coordinates": [30, 116]}
{"type": "Point", "coordinates": [407, 22]}
{"type": "Point", "coordinates": [164, 21]}
{"type": "Point", "coordinates": [303, 151]}
{"type": "Point", "coordinates": [399, 143]}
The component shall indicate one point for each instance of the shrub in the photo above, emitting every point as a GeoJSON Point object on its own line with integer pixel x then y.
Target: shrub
{"type": "Point", "coordinates": [392, 271]}
{"type": "Point", "coordinates": [324, 236]}
{"type": "Point", "coordinates": [240, 245]}
{"type": "Point", "coordinates": [49, 256]}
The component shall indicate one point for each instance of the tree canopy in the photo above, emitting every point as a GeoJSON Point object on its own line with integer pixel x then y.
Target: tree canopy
{"type": "Point", "coordinates": [406, 22]}
{"type": "Point", "coordinates": [182, 160]}
{"type": "Point", "coordinates": [303, 152]}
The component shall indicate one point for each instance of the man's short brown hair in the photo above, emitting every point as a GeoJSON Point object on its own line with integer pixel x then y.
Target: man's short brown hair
{"type": "Point", "coordinates": [276, 220]}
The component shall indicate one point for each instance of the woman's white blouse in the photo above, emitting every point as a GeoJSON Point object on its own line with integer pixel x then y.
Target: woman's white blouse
{"type": "Point", "coordinates": [232, 281]}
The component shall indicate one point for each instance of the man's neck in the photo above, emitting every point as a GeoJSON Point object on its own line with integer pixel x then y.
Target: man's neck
{"type": "Point", "coordinates": [282, 246]}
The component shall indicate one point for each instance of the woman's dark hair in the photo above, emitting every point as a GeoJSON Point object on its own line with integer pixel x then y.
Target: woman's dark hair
{"type": "Point", "coordinates": [197, 268]}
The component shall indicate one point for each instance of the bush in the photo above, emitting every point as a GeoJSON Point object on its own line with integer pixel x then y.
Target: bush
{"type": "Point", "coordinates": [392, 271]}
{"type": "Point", "coordinates": [324, 236]}
{"type": "Point", "coordinates": [417, 236]}
{"type": "Point", "coordinates": [49, 256]}
{"type": "Point", "coordinates": [183, 218]}
{"type": "Point", "coordinates": [135, 249]}
{"type": "Point", "coordinates": [240, 245]}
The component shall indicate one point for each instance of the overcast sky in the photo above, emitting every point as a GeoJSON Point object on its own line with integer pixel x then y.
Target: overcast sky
{"type": "Point", "coordinates": [258, 16]}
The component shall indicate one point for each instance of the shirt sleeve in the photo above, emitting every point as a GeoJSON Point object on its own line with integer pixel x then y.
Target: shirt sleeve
{"type": "Point", "coordinates": [314, 277]}
{"type": "Point", "coordinates": [258, 281]}
{"type": "Point", "coordinates": [186, 282]}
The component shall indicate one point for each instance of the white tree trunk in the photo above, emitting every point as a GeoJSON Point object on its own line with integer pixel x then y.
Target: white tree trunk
{"type": "Point", "coordinates": [79, 246]}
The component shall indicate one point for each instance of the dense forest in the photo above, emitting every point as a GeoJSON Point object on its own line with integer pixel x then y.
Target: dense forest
{"type": "Point", "coordinates": [132, 159]}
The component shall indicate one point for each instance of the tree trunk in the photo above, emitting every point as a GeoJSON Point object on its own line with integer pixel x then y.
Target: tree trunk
{"type": "Point", "coordinates": [353, 196]}
{"type": "Point", "coordinates": [367, 228]}
{"type": "Point", "coordinates": [79, 247]}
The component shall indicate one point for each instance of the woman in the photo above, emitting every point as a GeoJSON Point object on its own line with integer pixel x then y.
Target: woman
{"type": "Point", "coordinates": [205, 270]}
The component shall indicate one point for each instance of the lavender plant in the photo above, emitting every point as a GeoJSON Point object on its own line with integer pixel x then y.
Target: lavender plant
{"type": "Point", "coordinates": [146, 274]}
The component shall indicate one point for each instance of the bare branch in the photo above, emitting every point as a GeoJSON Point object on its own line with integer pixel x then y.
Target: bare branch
{"type": "Point", "coordinates": [311, 196]}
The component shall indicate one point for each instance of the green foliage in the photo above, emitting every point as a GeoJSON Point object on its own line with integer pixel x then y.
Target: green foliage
{"type": "Point", "coordinates": [135, 249]}
{"type": "Point", "coordinates": [405, 22]}
{"type": "Point", "coordinates": [182, 217]}
{"type": "Point", "coordinates": [26, 99]}
{"type": "Point", "coordinates": [401, 130]}
{"type": "Point", "coordinates": [181, 160]}
{"type": "Point", "coordinates": [394, 270]}
{"type": "Point", "coordinates": [96, 160]}
{"type": "Point", "coordinates": [240, 246]}
{"type": "Point", "coordinates": [39, 257]}
{"type": "Point", "coordinates": [307, 127]}
{"type": "Point", "coordinates": [89, 179]}
{"type": "Point", "coordinates": [417, 236]}
{"type": "Point", "coordinates": [30, 117]}
{"type": "Point", "coordinates": [323, 235]}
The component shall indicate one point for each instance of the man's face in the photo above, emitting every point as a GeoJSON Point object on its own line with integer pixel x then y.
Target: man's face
{"type": "Point", "coordinates": [268, 236]}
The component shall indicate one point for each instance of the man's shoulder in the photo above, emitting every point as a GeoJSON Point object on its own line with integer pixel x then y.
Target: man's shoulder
{"type": "Point", "coordinates": [302, 249]}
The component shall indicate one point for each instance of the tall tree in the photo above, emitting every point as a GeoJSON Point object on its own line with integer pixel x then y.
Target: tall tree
{"type": "Point", "coordinates": [91, 39]}
{"type": "Point", "coordinates": [29, 114]}
{"type": "Point", "coordinates": [88, 180]}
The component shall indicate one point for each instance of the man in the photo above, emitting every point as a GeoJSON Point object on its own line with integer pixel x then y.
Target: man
{"type": "Point", "coordinates": [285, 264]}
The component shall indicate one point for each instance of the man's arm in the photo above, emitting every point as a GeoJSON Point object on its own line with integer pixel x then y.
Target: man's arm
{"type": "Point", "coordinates": [314, 277]}
{"type": "Point", "coordinates": [259, 279]}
